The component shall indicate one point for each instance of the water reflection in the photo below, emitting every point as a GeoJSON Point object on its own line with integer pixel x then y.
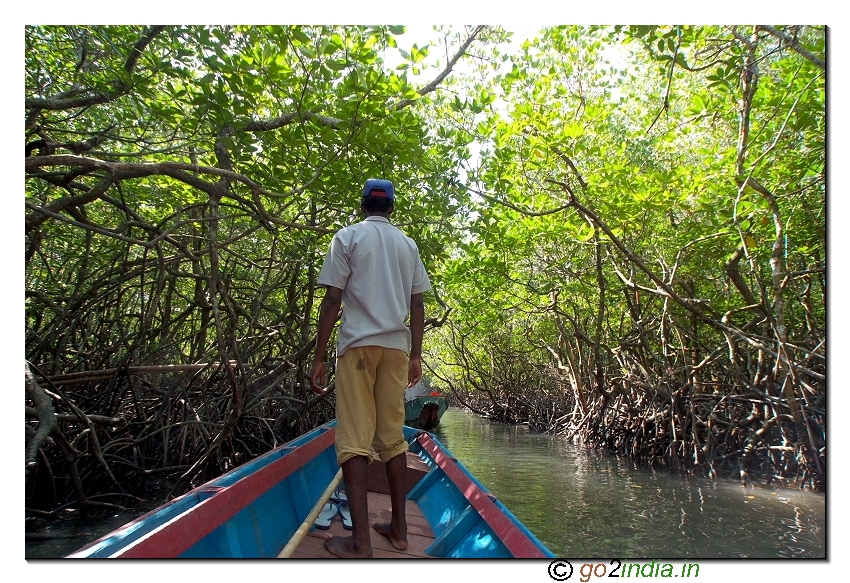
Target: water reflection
{"type": "Point", "coordinates": [63, 538]}
{"type": "Point", "coordinates": [587, 504]}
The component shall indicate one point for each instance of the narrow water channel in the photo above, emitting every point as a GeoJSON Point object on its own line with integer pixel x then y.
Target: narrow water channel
{"type": "Point", "coordinates": [592, 505]}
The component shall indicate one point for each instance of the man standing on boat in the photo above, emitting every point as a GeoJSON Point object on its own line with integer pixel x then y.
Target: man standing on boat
{"type": "Point", "coordinates": [375, 272]}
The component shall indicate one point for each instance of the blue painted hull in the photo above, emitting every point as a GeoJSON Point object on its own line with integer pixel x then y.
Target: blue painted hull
{"type": "Point", "coordinates": [254, 510]}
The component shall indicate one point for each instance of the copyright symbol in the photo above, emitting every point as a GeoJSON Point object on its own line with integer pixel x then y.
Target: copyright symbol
{"type": "Point", "coordinates": [560, 570]}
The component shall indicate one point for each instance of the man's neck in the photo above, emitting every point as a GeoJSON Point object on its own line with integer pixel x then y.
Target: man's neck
{"type": "Point", "coordinates": [382, 215]}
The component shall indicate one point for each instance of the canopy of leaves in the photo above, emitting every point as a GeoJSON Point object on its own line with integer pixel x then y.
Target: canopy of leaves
{"type": "Point", "coordinates": [648, 221]}
{"type": "Point", "coordinates": [625, 227]}
{"type": "Point", "coordinates": [182, 186]}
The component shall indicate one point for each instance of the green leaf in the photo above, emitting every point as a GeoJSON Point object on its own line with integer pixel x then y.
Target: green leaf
{"type": "Point", "coordinates": [300, 36]}
{"type": "Point", "coordinates": [326, 47]}
{"type": "Point", "coordinates": [573, 130]}
{"type": "Point", "coordinates": [336, 65]}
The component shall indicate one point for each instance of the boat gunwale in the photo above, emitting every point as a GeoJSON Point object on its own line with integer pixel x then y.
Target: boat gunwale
{"type": "Point", "coordinates": [518, 540]}
{"type": "Point", "coordinates": [182, 531]}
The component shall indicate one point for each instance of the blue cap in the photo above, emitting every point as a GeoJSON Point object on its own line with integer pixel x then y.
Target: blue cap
{"type": "Point", "coordinates": [379, 187]}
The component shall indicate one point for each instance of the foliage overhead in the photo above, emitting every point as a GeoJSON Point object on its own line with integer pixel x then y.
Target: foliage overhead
{"type": "Point", "coordinates": [625, 227]}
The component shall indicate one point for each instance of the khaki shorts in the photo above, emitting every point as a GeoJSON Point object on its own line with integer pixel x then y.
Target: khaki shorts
{"type": "Point", "coordinates": [370, 384]}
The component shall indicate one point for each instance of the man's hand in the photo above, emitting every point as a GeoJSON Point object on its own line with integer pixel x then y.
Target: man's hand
{"type": "Point", "coordinates": [328, 314]}
{"type": "Point", "coordinates": [317, 378]}
{"type": "Point", "coordinates": [414, 370]}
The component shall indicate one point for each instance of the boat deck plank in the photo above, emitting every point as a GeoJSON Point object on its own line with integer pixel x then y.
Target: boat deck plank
{"type": "Point", "coordinates": [419, 534]}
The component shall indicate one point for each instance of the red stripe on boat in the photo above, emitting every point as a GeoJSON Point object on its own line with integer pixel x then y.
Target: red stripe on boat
{"type": "Point", "coordinates": [516, 541]}
{"type": "Point", "coordinates": [174, 538]}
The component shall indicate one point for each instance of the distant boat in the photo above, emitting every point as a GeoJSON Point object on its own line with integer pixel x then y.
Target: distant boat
{"type": "Point", "coordinates": [268, 507]}
{"type": "Point", "coordinates": [425, 412]}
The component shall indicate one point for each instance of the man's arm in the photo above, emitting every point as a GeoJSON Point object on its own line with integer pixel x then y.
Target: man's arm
{"type": "Point", "coordinates": [417, 330]}
{"type": "Point", "coordinates": [328, 312]}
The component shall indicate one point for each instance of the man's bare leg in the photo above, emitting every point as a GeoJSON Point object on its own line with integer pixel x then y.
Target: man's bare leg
{"type": "Point", "coordinates": [396, 530]}
{"type": "Point", "coordinates": [359, 544]}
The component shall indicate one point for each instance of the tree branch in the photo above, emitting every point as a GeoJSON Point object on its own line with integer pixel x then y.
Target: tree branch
{"type": "Point", "coordinates": [794, 44]}
{"type": "Point", "coordinates": [444, 73]}
{"type": "Point", "coordinates": [69, 100]}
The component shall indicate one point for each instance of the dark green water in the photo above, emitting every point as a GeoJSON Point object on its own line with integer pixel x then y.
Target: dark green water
{"type": "Point", "coordinates": [591, 505]}
{"type": "Point", "coordinates": [63, 538]}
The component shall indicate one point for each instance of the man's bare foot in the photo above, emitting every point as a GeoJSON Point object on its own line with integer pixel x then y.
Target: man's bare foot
{"type": "Point", "coordinates": [384, 528]}
{"type": "Point", "coordinates": [346, 548]}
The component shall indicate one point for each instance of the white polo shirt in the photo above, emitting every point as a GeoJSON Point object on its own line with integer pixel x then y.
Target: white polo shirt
{"type": "Point", "coordinates": [378, 268]}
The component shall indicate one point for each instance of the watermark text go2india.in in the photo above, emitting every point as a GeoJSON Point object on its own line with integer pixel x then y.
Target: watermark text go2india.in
{"type": "Point", "coordinates": [562, 569]}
